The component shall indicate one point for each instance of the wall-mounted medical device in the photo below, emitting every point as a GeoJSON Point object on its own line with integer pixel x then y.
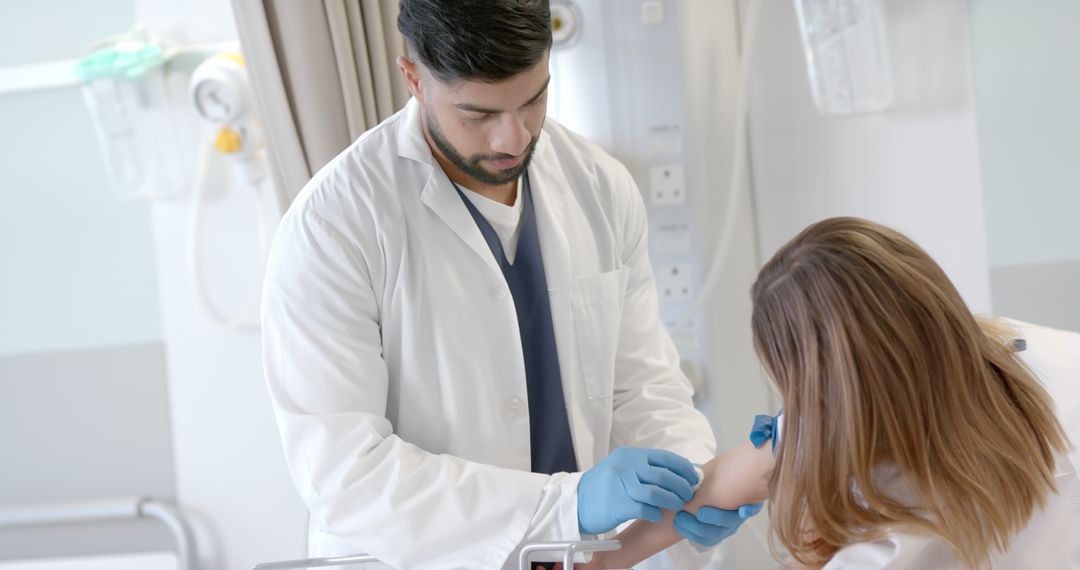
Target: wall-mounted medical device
{"type": "Point", "coordinates": [124, 86]}
{"type": "Point", "coordinates": [221, 95]}
{"type": "Point", "coordinates": [618, 79]}
{"type": "Point", "coordinates": [847, 55]}
{"type": "Point", "coordinates": [565, 19]}
{"type": "Point", "coordinates": [129, 84]}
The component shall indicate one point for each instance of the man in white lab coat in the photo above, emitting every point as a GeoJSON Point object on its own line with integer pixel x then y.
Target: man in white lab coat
{"type": "Point", "coordinates": [460, 321]}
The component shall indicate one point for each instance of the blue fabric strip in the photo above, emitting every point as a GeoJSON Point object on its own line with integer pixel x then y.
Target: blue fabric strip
{"type": "Point", "coordinates": [764, 429]}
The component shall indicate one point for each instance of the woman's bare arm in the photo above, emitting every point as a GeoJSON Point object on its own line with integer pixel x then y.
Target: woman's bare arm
{"type": "Point", "coordinates": [737, 477]}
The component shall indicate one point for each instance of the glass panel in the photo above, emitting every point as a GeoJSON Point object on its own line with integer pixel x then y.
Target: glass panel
{"type": "Point", "coordinates": [78, 266]}
{"type": "Point", "coordinates": [84, 409]}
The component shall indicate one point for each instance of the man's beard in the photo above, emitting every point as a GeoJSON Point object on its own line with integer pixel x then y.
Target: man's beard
{"type": "Point", "coordinates": [471, 166]}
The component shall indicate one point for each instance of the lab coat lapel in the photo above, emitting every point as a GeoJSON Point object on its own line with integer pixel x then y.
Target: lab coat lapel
{"type": "Point", "coordinates": [552, 196]}
{"type": "Point", "coordinates": [438, 194]}
{"type": "Point", "coordinates": [550, 190]}
{"type": "Point", "coordinates": [441, 197]}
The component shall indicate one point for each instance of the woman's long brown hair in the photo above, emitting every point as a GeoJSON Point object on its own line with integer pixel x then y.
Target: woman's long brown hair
{"type": "Point", "coordinates": [881, 365]}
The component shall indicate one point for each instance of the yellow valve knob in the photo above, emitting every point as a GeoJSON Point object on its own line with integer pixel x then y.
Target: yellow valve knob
{"type": "Point", "coordinates": [239, 59]}
{"type": "Point", "coordinates": [227, 141]}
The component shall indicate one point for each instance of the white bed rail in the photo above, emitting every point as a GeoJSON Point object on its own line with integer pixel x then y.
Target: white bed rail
{"type": "Point", "coordinates": [126, 508]}
{"type": "Point", "coordinates": [568, 549]}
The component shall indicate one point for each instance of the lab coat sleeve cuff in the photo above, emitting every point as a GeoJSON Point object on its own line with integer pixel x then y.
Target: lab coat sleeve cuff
{"type": "Point", "coordinates": [556, 517]}
{"type": "Point", "coordinates": [568, 523]}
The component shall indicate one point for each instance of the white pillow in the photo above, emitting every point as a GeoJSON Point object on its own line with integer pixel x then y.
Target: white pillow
{"type": "Point", "coordinates": [1054, 356]}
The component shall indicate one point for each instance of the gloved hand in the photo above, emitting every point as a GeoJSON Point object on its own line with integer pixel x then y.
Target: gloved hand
{"type": "Point", "coordinates": [712, 525]}
{"type": "Point", "coordinates": [633, 483]}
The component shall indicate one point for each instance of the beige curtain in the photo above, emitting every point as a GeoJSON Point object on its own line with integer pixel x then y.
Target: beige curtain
{"type": "Point", "coordinates": [323, 72]}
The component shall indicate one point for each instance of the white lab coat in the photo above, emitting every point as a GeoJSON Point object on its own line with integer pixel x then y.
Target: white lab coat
{"type": "Point", "coordinates": [394, 362]}
{"type": "Point", "coordinates": [1050, 538]}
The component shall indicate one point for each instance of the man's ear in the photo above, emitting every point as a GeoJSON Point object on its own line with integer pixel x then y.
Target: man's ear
{"type": "Point", "coordinates": [411, 72]}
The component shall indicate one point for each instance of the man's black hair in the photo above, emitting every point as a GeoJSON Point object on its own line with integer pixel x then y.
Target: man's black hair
{"type": "Point", "coordinates": [480, 40]}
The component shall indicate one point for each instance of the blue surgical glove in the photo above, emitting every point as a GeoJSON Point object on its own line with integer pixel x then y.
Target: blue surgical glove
{"type": "Point", "coordinates": [633, 483]}
{"type": "Point", "coordinates": [712, 525]}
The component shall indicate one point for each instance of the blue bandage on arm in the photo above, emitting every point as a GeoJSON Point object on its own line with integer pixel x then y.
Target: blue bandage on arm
{"type": "Point", "coordinates": [765, 428]}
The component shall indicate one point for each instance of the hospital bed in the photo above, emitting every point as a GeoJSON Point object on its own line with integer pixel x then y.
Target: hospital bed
{"type": "Point", "coordinates": [1054, 356]}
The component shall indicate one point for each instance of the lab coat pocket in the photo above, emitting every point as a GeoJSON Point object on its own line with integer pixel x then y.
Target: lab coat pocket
{"type": "Point", "coordinates": [597, 303]}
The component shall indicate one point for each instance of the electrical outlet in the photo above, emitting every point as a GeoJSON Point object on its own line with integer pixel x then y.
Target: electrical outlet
{"type": "Point", "coordinates": [674, 282]}
{"type": "Point", "coordinates": [667, 185]}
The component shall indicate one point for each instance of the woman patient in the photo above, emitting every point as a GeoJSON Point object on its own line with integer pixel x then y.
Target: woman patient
{"type": "Point", "coordinates": [911, 436]}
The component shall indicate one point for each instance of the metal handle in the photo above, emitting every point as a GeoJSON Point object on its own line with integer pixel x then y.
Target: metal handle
{"type": "Point", "coordinates": [315, 562]}
{"type": "Point", "coordinates": [109, 510]}
{"type": "Point", "coordinates": [569, 549]}
{"type": "Point", "coordinates": [172, 517]}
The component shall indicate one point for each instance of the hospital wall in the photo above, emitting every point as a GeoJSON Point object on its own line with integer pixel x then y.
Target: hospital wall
{"type": "Point", "coordinates": [914, 167]}
{"type": "Point", "coordinates": [99, 311]}
{"type": "Point", "coordinates": [83, 396]}
{"type": "Point", "coordinates": [230, 471]}
{"type": "Point", "coordinates": [1027, 85]}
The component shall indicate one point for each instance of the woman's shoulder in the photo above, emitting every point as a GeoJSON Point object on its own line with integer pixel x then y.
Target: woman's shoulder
{"type": "Point", "coordinates": [1047, 541]}
{"type": "Point", "coordinates": [1049, 538]}
{"type": "Point", "coordinates": [894, 552]}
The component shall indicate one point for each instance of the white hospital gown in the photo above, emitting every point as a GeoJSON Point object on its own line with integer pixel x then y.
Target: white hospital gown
{"type": "Point", "coordinates": [1051, 540]}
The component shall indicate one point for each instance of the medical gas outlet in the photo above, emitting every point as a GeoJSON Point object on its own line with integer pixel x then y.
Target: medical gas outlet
{"type": "Point", "coordinates": [220, 93]}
